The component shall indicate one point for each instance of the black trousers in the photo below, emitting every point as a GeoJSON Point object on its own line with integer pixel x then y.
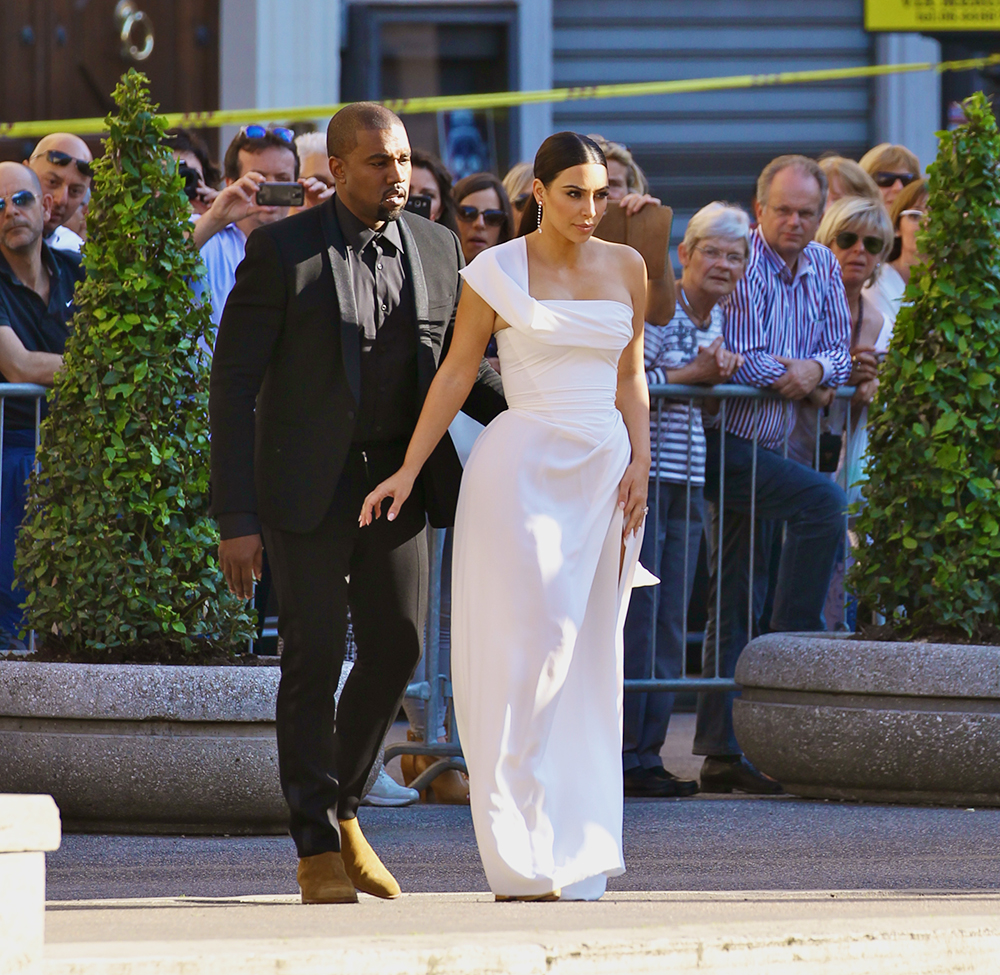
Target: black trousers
{"type": "Point", "coordinates": [325, 753]}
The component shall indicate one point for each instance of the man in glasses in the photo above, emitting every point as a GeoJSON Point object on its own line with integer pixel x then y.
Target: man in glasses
{"type": "Point", "coordinates": [62, 164]}
{"type": "Point", "coordinates": [36, 305]}
{"type": "Point", "coordinates": [790, 320]}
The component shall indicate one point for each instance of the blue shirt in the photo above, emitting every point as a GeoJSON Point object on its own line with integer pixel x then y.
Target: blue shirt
{"type": "Point", "coordinates": [222, 254]}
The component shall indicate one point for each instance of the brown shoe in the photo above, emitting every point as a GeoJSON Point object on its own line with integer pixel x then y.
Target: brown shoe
{"type": "Point", "coordinates": [450, 787]}
{"type": "Point", "coordinates": [366, 870]}
{"type": "Point", "coordinates": [323, 880]}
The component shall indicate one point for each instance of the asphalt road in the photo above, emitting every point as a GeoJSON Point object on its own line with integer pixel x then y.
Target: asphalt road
{"type": "Point", "coordinates": [725, 844]}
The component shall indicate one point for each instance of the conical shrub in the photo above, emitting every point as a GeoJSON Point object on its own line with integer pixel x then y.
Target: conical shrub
{"type": "Point", "coordinates": [929, 535]}
{"type": "Point", "coordinates": [117, 550]}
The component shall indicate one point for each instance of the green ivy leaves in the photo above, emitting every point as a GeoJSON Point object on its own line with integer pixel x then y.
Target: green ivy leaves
{"type": "Point", "coordinates": [929, 534]}
{"type": "Point", "coordinates": [116, 548]}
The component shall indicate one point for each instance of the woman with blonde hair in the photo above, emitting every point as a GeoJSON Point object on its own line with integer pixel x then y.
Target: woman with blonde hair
{"type": "Point", "coordinates": [845, 177]}
{"type": "Point", "coordinates": [892, 167]}
{"type": "Point", "coordinates": [517, 183]}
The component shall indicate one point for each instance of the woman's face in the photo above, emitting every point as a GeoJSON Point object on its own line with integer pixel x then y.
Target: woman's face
{"type": "Point", "coordinates": [617, 179]}
{"type": "Point", "coordinates": [423, 183]}
{"type": "Point", "coordinates": [714, 265]}
{"type": "Point", "coordinates": [910, 224]}
{"type": "Point", "coordinates": [851, 248]}
{"type": "Point", "coordinates": [483, 229]}
{"type": "Point", "coordinates": [574, 202]}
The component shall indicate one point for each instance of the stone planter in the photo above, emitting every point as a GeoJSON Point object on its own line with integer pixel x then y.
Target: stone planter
{"type": "Point", "coordinates": [886, 722]}
{"type": "Point", "coordinates": [134, 748]}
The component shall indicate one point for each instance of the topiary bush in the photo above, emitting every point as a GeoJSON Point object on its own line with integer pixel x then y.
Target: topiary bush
{"type": "Point", "coordinates": [117, 550]}
{"type": "Point", "coordinates": [929, 535]}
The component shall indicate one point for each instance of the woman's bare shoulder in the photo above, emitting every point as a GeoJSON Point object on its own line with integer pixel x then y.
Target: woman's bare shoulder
{"type": "Point", "coordinates": [626, 259]}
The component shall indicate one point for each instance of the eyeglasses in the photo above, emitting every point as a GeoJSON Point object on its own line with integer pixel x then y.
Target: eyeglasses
{"type": "Point", "coordinates": [58, 158]}
{"type": "Point", "coordinates": [885, 179]}
{"type": "Point", "coordinates": [914, 214]}
{"type": "Point", "coordinates": [715, 255]}
{"type": "Point", "coordinates": [521, 200]}
{"type": "Point", "coordinates": [785, 213]}
{"type": "Point", "coordinates": [492, 218]}
{"type": "Point", "coordinates": [260, 131]}
{"type": "Point", "coordinates": [22, 199]}
{"type": "Point", "coordinates": [846, 239]}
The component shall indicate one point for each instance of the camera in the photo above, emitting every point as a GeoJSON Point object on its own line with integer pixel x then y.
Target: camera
{"type": "Point", "coordinates": [280, 195]}
{"type": "Point", "coordinates": [420, 205]}
{"type": "Point", "coordinates": [191, 179]}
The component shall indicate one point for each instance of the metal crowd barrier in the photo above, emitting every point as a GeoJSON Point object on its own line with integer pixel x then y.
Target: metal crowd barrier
{"type": "Point", "coordinates": [22, 391]}
{"type": "Point", "coordinates": [436, 690]}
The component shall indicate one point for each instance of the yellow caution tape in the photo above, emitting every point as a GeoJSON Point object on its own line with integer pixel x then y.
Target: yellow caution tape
{"type": "Point", "coordinates": [503, 99]}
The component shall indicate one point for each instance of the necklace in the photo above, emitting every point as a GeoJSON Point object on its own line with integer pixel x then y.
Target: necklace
{"type": "Point", "coordinates": [700, 323]}
{"type": "Point", "coordinates": [856, 330]}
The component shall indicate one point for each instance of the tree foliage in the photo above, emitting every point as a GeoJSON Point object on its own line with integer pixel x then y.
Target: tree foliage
{"type": "Point", "coordinates": [929, 535]}
{"type": "Point", "coordinates": [117, 549]}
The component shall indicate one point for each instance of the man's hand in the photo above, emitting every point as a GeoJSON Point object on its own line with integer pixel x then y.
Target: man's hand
{"type": "Point", "coordinates": [632, 203]}
{"type": "Point", "coordinates": [236, 201]}
{"type": "Point", "coordinates": [241, 560]}
{"type": "Point", "coordinates": [801, 377]}
{"type": "Point", "coordinates": [864, 365]}
{"type": "Point", "coordinates": [316, 191]}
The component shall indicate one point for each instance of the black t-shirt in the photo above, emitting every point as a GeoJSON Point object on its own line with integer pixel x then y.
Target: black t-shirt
{"type": "Point", "coordinates": [40, 328]}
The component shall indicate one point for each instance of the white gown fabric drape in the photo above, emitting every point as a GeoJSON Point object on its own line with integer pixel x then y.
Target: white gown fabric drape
{"type": "Point", "coordinates": [537, 602]}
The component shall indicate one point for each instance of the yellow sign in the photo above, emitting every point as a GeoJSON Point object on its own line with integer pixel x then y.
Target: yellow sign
{"type": "Point", "coordinates": [932, 15]}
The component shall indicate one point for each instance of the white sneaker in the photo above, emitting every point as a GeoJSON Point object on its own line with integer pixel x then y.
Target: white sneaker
{"type": "Point", "coordinates": [387, 792]}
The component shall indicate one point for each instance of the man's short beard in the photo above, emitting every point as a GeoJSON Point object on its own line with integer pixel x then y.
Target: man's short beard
{"type": "Point", "coordinates": [385, 214]}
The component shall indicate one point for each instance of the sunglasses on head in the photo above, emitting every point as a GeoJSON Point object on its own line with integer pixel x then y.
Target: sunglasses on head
{"type": "Point", "coordinates": [259, 131]}
{"type": "Point", "coordinates": [886, 179]}
{"type": "Point", "coordinates": [58, 158]}
{"type": "Point", "coordinates": [847, 239]}
{"type": "Point", "coordinates": [492, 218]}
{"type": "Point", "coordinates": [22, 199]}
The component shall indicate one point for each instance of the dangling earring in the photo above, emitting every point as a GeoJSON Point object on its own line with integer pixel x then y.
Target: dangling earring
{"type": "Point", "coordinates": [539, 218]}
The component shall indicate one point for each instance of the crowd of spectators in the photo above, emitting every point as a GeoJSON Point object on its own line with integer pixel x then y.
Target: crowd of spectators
{"type": "Point", "coordinates": [800, 297]}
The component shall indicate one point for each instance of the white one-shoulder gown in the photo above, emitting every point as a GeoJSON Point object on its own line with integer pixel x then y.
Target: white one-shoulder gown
{"type": "Point", "coordinates": [538, 603]}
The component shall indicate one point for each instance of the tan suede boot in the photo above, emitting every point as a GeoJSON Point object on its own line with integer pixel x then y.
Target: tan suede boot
{"type": "Point", "coordinates": [366, 870]}
{"type": "Point", "coordinates": [323, 880]}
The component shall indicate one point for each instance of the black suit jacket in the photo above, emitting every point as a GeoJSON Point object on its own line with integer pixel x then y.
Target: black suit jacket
{"type": "Point", "coordinates": [286, 371]}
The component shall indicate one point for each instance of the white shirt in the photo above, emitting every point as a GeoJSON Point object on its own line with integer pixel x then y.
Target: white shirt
{"type": "Point", "coordinates": [64, 239]}
{"type": "Point", "coordinates": [222, 254]}
{"type": "Point", "coordinates": [886, 294]}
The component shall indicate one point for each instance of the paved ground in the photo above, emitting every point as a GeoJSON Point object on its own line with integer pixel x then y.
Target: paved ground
{"type": "Point", "coordinates": [690, 844]}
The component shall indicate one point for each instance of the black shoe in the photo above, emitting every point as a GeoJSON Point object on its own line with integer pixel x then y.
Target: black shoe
{"type": "Point", "coordinates": [657, 783]}
{"type": "Point", "coordinates": [733, 773]}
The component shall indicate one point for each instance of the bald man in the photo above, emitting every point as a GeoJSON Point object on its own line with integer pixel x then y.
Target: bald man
{"type": "Point", "coordinates": [62, 164]}
{"type": "Point", "coordinates": [36, 305]}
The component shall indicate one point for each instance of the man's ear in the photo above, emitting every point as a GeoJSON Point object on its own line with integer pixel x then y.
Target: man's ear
{"type": "Point", "coordinates": [46, 207]}
{"type": "Point", "coordinates": [682, 254]}
{"type": "Point", "coordinates": [757, 210]}
{"type": "Point", "coordinates": [337, 169]}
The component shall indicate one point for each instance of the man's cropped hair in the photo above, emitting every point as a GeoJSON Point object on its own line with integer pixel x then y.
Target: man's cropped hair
{"type": "Point", "coordinates": [802, 163]}
{"type": "Point", "coordinates": [242, 141]}
{"type": "Point", "coordinates": [342, 132]}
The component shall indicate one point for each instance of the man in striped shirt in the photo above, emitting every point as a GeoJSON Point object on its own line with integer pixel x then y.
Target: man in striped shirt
{"type": "Point", "coordinates": [789, 319]}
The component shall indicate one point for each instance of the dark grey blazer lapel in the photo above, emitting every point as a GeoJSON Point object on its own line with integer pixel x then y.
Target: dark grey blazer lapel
{"type": "Point", "coordinates": [426, 359]}
{"type": "Point", "coordinates": [350, 330]}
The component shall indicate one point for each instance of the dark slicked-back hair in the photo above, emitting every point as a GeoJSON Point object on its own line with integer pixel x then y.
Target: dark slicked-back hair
{"type": "Point", "coordinates": [342, 132]}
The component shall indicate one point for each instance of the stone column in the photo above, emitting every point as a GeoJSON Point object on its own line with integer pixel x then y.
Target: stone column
{"type": "Point", "coordinates": [29, 825]}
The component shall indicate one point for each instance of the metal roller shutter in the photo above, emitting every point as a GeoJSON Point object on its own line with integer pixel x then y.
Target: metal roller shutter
{"type": "Point", "coordinates": [696, 148]}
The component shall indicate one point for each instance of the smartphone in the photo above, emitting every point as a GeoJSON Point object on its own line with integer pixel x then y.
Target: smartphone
{"type": "Point", "coordinates": [420, 205]}
{"type": "Point", "coordinates": [280, 195]}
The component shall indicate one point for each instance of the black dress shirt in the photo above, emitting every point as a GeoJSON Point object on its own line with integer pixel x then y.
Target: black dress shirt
{"type": "Point", "coordinates": [387, 320]}
{"type": "Point", "coordinates": [40, 327]}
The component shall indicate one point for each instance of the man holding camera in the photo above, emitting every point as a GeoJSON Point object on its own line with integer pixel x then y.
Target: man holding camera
{"type": "Point", "coordinates": [330, 338]}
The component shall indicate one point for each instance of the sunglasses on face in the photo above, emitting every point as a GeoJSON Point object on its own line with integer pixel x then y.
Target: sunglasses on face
{"type": "Point", "coordinates": [22, 199]}
{"type": "Point", "coordinates": [58, 158]}
{"type": "Point", "coordinates": [492, 218]}
{"type": "Point", "coordinates": [847, 239]}
{"type": "Point", "coordinates": [259, 131]}
{"type": "Point", "coordinates": [886, 179]}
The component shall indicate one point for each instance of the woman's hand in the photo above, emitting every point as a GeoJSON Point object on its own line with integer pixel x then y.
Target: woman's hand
{"type": "Point", "coordinates": [632, 203]}
{"type": "Point", "coordinates": [397, 487]}
{"type": "Point", "coordinates": [864, 393]}
{"type": "Point", "coordinates": [864, 365]}
{"type": "Point", "coordinates": [821, 397]}
{"type": "Point", "coordinates": [632, 495]}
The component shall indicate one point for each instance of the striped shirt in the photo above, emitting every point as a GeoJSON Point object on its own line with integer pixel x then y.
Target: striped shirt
{"type": "Point", "coordinates": [800, 315]}
{"type": "Point", "coordinates": [666, 347]}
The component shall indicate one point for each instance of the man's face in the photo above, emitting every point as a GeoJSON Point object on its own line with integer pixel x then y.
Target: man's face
{"type": "Point", "coordinates": [277, 165]}
{"type": "Point", "coordinates": [21, 225]}
{"type": "Point", "coordinates": [617, 179]}
{"type": "Point", "coordinates": [317, 166]}
{"type": "Point", "coordinates": [374, 179]}
{"type": "Point", "coordinates": [64, 183]}
{"type": "Point", "coordinates": [792, 213]}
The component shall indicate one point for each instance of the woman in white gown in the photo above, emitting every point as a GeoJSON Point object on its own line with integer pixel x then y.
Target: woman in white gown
{"type": "Point", "coordinates": [547, 530]}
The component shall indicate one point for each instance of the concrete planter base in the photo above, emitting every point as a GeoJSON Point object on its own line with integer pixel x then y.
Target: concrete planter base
{"type": "Point", "coordinates": [134, 748]}
{"type": "Point", "coordinates": [885, 722]}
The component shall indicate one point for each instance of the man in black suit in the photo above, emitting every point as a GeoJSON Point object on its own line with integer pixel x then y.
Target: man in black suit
{"type": "Point", "coordinates": [334, 330]}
